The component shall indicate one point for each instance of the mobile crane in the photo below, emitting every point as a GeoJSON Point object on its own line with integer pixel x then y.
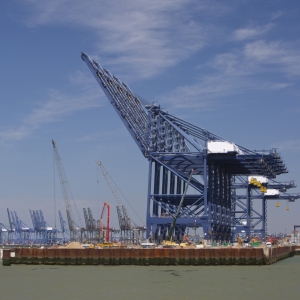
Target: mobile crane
{"type": "Point", "coordinates": [67, 194]}
{"type": "Point", "coordinates": [127, 225]}
{"type": "Point", "coordinates": [106, 206]}
{"type": "Point", "coordinates": [169, 242]}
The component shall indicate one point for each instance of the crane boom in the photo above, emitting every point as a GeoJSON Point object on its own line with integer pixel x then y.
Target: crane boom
{"type": "Point", "coordinates": [67, 194]}
{"type": "Point", "coordinates": [128, 106]}
{"type": "Point", "coordinates": [110, 183]}
{"type": "Point", "coordinates": [105, 206]}
{"type": "Point", "coordinates": [121, 218]}
{"type": "Point", "coordinates": [124, 219]}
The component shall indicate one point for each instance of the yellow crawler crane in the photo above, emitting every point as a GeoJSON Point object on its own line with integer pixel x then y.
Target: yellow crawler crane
{"type": "Point", "coordinates": [187, 243]}
{"type": "Point", "coordinates": [169, 243]}
{"type": "Point", "coordinates": [240, 241]}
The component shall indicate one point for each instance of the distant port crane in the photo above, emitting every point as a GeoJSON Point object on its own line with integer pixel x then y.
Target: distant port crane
{"type": "Point", "coordinates": [19, 232]}
{"type": "Point", "coordinates": [44, 234]}
{"type": "Point", "coordinates": [64, 230]}
{"type": "Point", "coordinates": [3, 233]}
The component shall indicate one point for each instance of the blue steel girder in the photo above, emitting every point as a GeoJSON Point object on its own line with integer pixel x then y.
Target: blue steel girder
{"type": "Point", "coordinates": [281, 186]}
{"type": "Point", "coordinates": [175, 147]}
{"type": "Point", "coordinates": [271, 184]}
{"type": "Point", "coordinates": [151, 134]}
{"type": "Point", "coordinates": [127, 105]}
{"type": "Point", "coordinates": [252, 214]}
{"type": "Point", "coordinates": [244, 164]}
{"type": "Point", "coordinates": [192, 210]}
{"type": "Point", "coordinates": [291, 197]}
{"type": "Point", "coordinates": [184, 221]}
{"type": "Point", "coordinates": [181, 162]}
{"type": "Point", "coordinates": [4, 232]}
{"type": "Point", "coordinates": [182, 167]}
{"type": "Point", "coordinates": [163, 135]}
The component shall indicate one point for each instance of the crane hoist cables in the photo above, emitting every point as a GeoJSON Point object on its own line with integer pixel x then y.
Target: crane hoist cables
{"type": "Point", "coordinates": [115, 189]}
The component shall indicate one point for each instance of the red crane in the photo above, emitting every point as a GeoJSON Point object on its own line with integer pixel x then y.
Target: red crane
{"type": "Point", "coordinates": [105, 206]}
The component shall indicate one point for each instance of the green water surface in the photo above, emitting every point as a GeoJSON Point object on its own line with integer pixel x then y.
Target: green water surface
{"type": "Point", "coordinates": [277, 281]}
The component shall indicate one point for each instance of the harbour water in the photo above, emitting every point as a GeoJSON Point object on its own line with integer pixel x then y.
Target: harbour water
{"type": "Point", "coordinates": [277, 281]}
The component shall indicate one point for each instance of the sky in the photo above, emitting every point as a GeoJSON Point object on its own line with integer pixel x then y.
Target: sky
{"type": "Point", "coordinates": [231, 67]}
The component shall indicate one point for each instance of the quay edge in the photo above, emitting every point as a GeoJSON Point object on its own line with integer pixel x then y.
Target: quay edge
{"type": "Point", "coordinates": [145, 257]}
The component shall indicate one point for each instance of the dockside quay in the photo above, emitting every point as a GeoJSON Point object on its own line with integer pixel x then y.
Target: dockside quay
{"type": "Point", "coordinates": [145, 257]}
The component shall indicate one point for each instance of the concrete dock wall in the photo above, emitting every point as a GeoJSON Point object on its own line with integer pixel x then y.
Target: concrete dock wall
{"type": "Point", "coordinates": [145, 257]}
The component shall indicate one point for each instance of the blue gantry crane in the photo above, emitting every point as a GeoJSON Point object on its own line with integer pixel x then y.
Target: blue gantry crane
{"type": "Point", "coordinates": [19, 232]}
{"type": "Point", "coordinates": [64, 231]}
{"type": "Point", "coordinates": [174, 147]}
{"type": "Point", "coordinates": [44, 233]}
{"type": "Point", "coordinates": [3, 234]}
{"type": "Point", "coordinates": [92, 226]}
{"type": "Point", "coordinates": [246, 218]}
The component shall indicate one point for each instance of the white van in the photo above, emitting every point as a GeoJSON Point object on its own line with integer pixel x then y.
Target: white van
{"type": "Point", "coordinates": [268, 244]}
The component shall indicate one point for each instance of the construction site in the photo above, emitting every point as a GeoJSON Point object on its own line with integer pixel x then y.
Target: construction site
{"type": "Point", "coordinates": [196, 180]}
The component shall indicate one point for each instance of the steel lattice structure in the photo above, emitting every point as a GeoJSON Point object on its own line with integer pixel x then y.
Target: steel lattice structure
{"type": "Point", "coordinates": [173, 148]}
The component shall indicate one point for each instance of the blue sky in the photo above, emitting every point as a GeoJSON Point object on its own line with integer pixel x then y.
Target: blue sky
{"type": "Point", "coordinates": [231, 67]}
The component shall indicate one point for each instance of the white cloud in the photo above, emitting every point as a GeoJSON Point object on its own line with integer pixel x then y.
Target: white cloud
{"type": "Point", "coordinates": [52, 110]}
{"type": "Point", "coordinates": [145, 37]}
{"type": "Point", "coordinates": [283, 56]}
{"type": "Point", "coordinates": [251, 32]}
{"type": "Point", "coordinates": [211, 92]}
{"type": "Point", "coordinates": [227, 74]}
{"type": "Point", "coordinates": [276, 15]}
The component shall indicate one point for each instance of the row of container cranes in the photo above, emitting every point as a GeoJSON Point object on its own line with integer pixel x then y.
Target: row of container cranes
{"type": "Point", "coordinates": [96, 231]}
{"type": "Point", "coordinates": [92, 231]}
{"type": "Point", "coordinates": [41, 233]}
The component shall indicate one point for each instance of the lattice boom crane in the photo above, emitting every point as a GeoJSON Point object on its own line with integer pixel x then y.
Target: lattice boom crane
{"type": "Point", "coordinates": [121, 218]}
{"type": "Point", "coordinates": [125, 222]}
{"type": "Point", "coordinates": [67, 194]}
{"type": "Point", "coordinates": [106, 206]}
